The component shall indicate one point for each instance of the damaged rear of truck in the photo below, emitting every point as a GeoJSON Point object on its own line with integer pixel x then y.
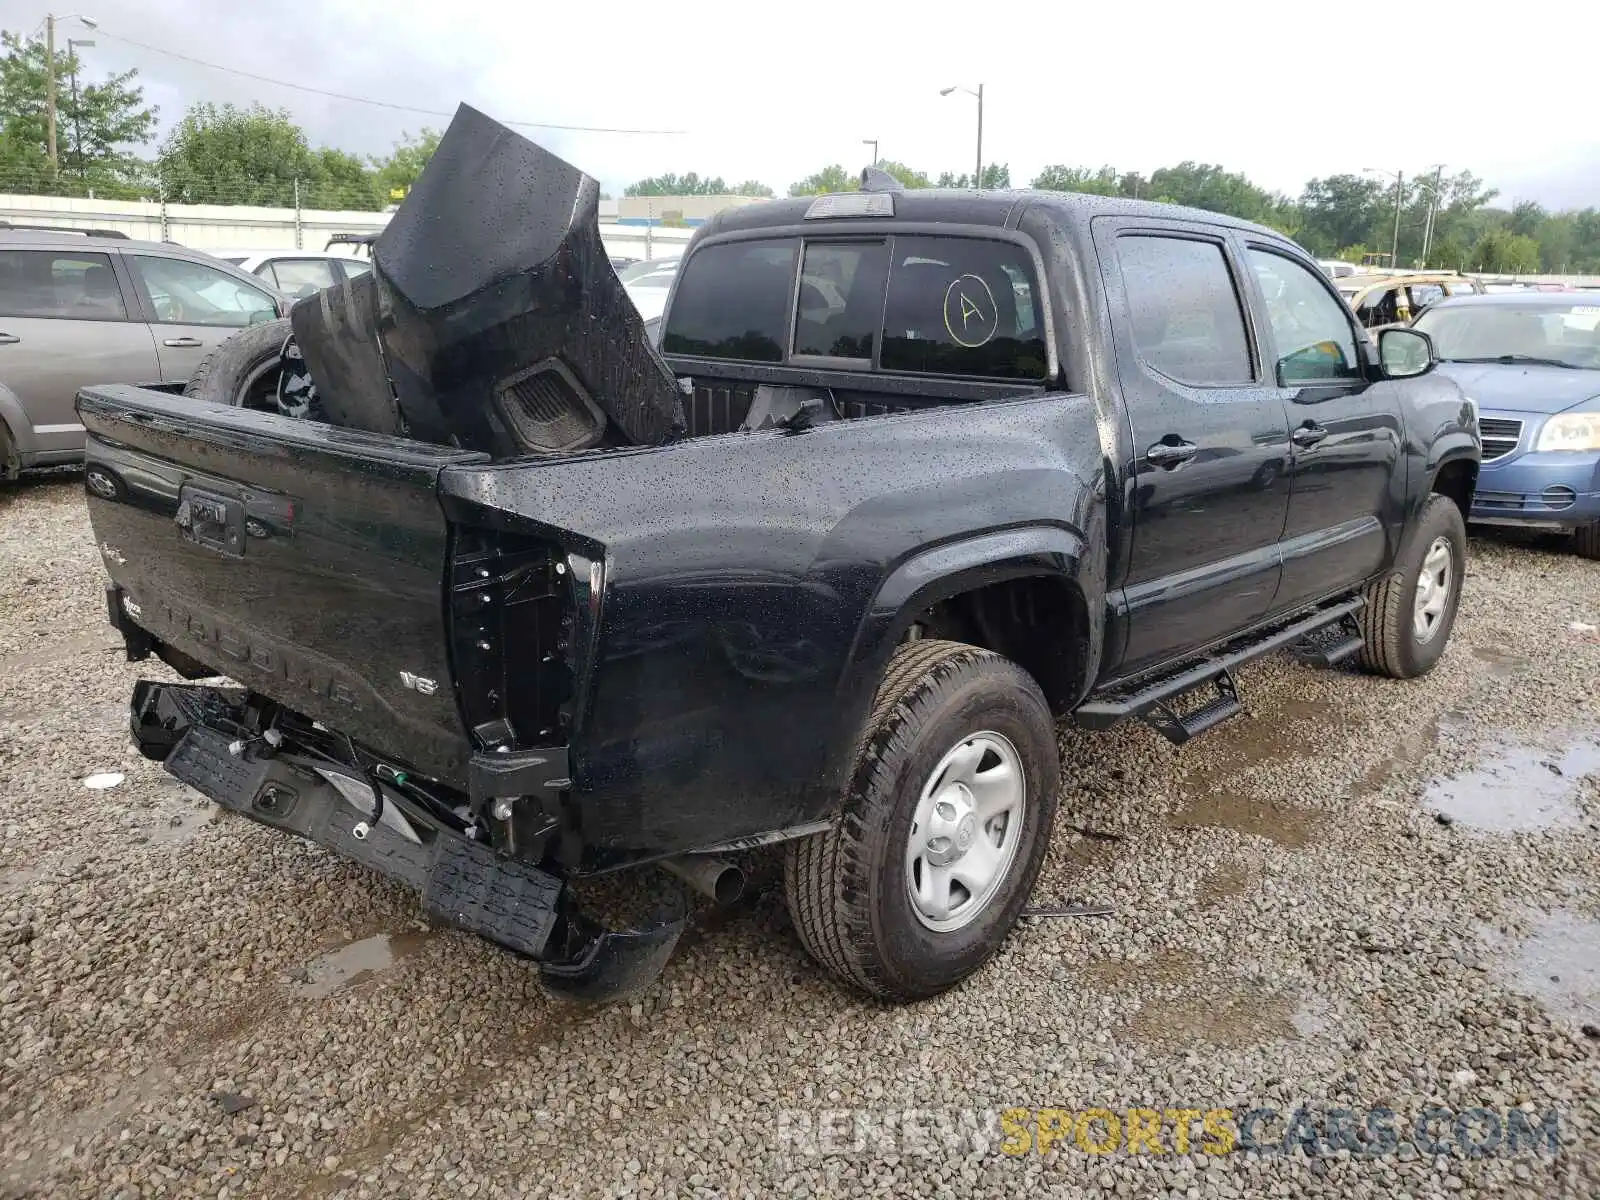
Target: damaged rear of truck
{"type": "Point", "coordinates": [528, 604]}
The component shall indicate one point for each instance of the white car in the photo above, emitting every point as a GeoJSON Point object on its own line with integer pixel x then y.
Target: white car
{"type": "Point", "coordinates": [647, 285]}
{"type": "Point", "coordinates": [297, 273]}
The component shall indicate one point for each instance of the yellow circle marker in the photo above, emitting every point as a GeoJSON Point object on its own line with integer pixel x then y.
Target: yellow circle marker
{"type": "Point", "coordinates": [970, 308]}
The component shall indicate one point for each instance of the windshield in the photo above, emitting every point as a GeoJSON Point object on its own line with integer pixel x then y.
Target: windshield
{"type": "Point", "coordinates": [1568, 335]}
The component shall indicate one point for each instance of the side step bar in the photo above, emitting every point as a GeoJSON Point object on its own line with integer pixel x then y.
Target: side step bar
{"type": "Point", "coordinates": [1332, 638]}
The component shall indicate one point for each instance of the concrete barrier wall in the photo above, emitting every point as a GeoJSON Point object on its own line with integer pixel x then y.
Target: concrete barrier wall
{"type": "Point", "coordinates": [217, 227]}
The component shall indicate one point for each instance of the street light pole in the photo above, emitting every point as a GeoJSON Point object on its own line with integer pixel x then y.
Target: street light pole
{"type": "Point", "coordinates": [77, 115]}
{"type": "Point", "coordinates": [873, 142]}
{"type": "Point", "coordinates": [977, 178]}
{"type": "Point", "coordinates": [1399, 190]}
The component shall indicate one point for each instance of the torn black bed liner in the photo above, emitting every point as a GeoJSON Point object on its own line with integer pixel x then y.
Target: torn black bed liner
{"type": "Point", "coordinates": [492, 271]}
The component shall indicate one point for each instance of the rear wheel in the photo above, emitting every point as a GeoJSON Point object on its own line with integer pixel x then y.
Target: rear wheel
{"type": "Point", "coordinates": [945, 824]}
{"type": "Point", "coordinates": [244, 370]}
{"type": "Point", "coordinates": [1586, 540]}
{"type": "Point", "coordinates": [1411, 611]}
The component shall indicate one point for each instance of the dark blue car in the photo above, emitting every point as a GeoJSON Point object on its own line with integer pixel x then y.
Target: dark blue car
{"type": "Point", "coordinates": [1531, 361]}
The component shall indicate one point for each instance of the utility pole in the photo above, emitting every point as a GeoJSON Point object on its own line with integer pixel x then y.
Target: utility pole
{"type": "Point", "coordinates": [50, 87]}
{"type": "Point", "coordinates": [50, 80]}
{"type": "Point", "coordinates": [1394, 246]}
{"type": "Point", "coordinates": [1433, 213]}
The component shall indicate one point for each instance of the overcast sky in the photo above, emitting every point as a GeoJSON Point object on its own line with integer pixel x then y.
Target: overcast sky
{"type": "Point", "coordinates": [773, 92]}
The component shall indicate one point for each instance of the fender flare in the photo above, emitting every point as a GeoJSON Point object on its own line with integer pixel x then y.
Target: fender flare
{"type": "Point", "coordinates": [1453, 447]}
{"type": "Point", "coordinates": [939, 572]}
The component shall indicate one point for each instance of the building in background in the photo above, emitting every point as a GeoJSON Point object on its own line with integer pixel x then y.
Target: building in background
{"type": "Point", "coordinates": [675, 211]}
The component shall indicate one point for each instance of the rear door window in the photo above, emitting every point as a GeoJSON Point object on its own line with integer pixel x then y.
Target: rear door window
{"type": "Point", "coordinates": [1184, 310]}
{"type": "Point", "coordinates": [963, 307]}
{"type": "Point", "coordinates": [734, 301]}
{"type": "Point", "coordinates": [839, 309]}
{"type": "Point", "coordinates": [301, 277]}
{"type": "Point", "coordinates": [59, 283]}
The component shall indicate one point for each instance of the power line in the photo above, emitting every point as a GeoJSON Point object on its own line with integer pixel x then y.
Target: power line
{"type": "Point", "coordinates": [427, 112]}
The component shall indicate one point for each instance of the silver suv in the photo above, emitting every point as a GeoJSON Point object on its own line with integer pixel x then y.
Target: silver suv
{"type": "Point", "coordinates": [93, 306]}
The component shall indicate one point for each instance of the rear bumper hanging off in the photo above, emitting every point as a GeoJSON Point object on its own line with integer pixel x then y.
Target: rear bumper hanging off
{"type": "Point", "coordinates": [196, 733]}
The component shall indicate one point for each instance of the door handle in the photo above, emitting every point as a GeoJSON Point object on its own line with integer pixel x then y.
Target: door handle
{"type": "Point", "coordinates": [183, 343]}
{"type": "Point", "coordinates": [1171, 454]}
{"type": "Point", "coordinates": [1308, 434]}
{"type": "Point", "coordinates": [9, 339]}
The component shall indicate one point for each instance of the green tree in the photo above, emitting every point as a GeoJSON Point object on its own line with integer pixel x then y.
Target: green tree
{"type": "Point", "coordinates": [1339, 211]}
{"type": "Point", "coordinates": [222, 154]}
{"type": "Point", "coordinates": [908, 178]}
{"type": "Point", "coordinates": [398, 170]}
{"type": "Point", "coordinates": [995, 175]}
{"type": "Point", "coordinates": [1203, 185]}
{"type": "Point", "coordinates": [1061, 178]}
{"type": "Point", "coordinates": [1502, 252]}
{"type": "Point", "coordinates": [830, 179]}
{"type": "Point", "coordinates": [678, 185]}
{"type": "Point", "coordinates": [95, 129]}
{"type": "Point", "coordinates": [754, 187]}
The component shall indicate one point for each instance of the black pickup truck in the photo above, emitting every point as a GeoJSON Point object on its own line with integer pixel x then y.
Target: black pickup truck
{"type": "Point", "coordinates": [912, 477]}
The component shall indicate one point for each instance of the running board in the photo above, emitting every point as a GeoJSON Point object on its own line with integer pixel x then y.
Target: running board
{"type": "Point", "coordinates": [1331, 645]}
{"type": "Point", "coordinates": [1155, 703]}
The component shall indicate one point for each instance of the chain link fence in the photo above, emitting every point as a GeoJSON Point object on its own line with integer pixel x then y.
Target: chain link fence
{"type": "Point", "coordinates": [98, 183]}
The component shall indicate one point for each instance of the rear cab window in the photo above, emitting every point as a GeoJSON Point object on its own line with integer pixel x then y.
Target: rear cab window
{"type": "Point", "coordinates": [961, 307]}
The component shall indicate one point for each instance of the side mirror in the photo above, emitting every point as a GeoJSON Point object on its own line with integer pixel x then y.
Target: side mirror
{"type": "Point", "coordinates": [1405, 353]}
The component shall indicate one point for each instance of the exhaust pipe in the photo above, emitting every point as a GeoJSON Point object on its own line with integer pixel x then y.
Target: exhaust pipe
{"type": "Point", "coordinates": [715, 878]}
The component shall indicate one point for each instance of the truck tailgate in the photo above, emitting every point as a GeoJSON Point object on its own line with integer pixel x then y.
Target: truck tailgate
{"type": "Point", "coordinates": [304, 561]}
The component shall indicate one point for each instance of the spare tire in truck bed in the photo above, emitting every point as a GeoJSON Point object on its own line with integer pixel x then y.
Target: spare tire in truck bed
{"type": "Point", "coordinates": [243, 370]}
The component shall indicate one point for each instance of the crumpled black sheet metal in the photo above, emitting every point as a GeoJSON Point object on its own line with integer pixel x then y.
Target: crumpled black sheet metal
{"type": "Point", "coordinates": [494, 263]}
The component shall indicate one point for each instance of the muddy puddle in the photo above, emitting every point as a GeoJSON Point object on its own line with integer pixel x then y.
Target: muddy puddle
{"type": "Point", "coordinates": [1501, 662]}
{"type": "Point", "coordinates": [1185, 1000]}
{"type": "Point", "coordinates": [19, 878]}
{"type": "Point", "coordinates": [57, 651]}
{"type": "Point", "coordinates": [176, 826]}
{"type": "Point", "coordinates": [1219, 808]}
{"type": "Point", "coordinates": [1519, 786]}
{"type": "Point", "coordinates": [1557, 963]}
{"type": "Point", "coordinates": [354, 962]}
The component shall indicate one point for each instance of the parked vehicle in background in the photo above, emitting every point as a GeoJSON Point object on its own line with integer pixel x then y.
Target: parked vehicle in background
{"type": "Point", "coordinates": [1335, 269]}
{"type": "Point", "coordinates": [296, 273]}
{"type": "Point", "coordinates": [648, 283]}
{"type": "Point", "coordinates": [1531, 360]}
{"type": "Point", "coordinates": [1005, 458]}
{"type": "Point", "coordinates": [1387, 301]}
{"type": "Point", "coordinates": [98, 307]}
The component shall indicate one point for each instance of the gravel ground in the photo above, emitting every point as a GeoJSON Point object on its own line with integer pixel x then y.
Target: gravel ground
{"type": "Point", "coordinates": [1363, 894]}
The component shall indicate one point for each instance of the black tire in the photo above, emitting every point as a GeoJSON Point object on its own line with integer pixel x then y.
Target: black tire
{"type": "Point", "coordinates": [1586, 540]}
{"type": "Point", "coordinates": [242, 371]}
{"type": "Point", "coordinates": [847, 889]}
{"type": "Point", "coordinates": [1393, 647]}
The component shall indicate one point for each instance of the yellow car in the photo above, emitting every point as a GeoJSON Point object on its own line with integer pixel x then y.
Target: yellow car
{"type": "Point", "coordinates": [1381, 301]}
